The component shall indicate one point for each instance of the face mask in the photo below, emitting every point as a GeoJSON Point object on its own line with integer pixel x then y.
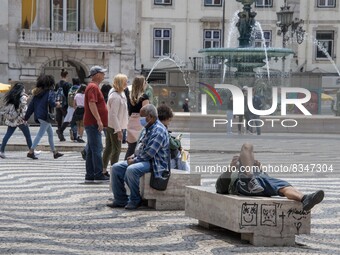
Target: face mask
{"type": "Point", "coordinates": [143, 121]}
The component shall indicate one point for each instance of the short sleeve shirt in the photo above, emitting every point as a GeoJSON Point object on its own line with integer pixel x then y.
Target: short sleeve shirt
{"type": "Point", "coordinates": [136, 108]}
{"type": "Point", "coordinates": [79, 98]}
{"type": "Point", "coordinates": [93, 94]}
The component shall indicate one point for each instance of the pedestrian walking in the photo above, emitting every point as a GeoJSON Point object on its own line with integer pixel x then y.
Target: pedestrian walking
{"type": "Point", "coordinates": [15, 110]}
{"type": "Point", "coordinates": [70, 111]}
{"type": "Point", "coordinates": [185, 105]}
{"type": "Point", "coordinates": [78, 115]}
{"type": "Point", "coordinates": [61, 90]}
{"type": "Point", "coordinates": [43, 100]}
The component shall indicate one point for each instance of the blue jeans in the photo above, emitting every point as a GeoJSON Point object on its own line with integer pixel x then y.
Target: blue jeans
{"type": "Point", "coordinates": [94, 163]}
{"type": "Point", "coordinates": [10, 130]}
{"type": "Point", "coordinates": [131, 174]}
{"type": "Point", "coordinates": [44, 126]}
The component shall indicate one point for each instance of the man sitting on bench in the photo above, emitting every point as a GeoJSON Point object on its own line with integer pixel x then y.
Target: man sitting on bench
{"type": "Point", "coordinates": [249, 180]}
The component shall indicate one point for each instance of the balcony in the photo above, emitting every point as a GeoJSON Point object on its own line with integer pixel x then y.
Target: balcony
{"type": "Point", "coordinates": [66, 40]}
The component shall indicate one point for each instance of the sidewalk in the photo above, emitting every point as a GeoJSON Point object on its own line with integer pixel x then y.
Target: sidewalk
{"type": "Point", "coordinates": [17, 141]}
{"type": "Point", "coordinates": [45, 208]}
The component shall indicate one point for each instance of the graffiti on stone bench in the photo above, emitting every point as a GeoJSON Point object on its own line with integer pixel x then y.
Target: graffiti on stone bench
{"type": "Point", "coordinates": [269, 215]}
{"type": "Point", "coordinates": [248, 215]}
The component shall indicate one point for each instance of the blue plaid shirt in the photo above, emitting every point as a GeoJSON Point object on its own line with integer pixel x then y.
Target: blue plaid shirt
{"type": "Point", "coordinates": [155, 147]}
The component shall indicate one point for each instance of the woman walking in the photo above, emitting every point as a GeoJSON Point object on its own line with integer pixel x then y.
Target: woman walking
{"type": "Point", "coordinates": [79, 112]}
{"type": "Point", "coordinates": [15, 110]}
{"type": "Point", "coordinates": [118, 119]}
{"type": "Point", "coordinates": [43, 99]}
{"type": "Point", "coordinates": [138, 99]}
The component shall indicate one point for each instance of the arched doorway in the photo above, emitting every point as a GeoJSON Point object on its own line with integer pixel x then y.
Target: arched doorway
{"type": "Point", "coordinates": [73, 68]}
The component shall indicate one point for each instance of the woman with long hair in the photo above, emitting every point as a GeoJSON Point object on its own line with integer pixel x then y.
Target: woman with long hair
{"type": "Point", "coordinates": [43, 99]}
{"type": "Point", "coordinates": [16, 101]}
{"type": "Point", "coordinates": [138, 99]}
{"type": "Point", "coordinates": [118, 119]}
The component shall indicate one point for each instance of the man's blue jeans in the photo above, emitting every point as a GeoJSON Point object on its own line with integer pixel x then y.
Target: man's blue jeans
{"type": "Point", "coordinates": [10, 130]}
{"type": "Point", "coordinates": [131, 174]}
{"type": "Point", "coordinates": [94, 163]}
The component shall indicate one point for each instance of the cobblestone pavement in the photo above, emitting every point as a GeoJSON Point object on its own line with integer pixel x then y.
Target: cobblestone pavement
{"type": "Point", "coordinates": [46, 209]}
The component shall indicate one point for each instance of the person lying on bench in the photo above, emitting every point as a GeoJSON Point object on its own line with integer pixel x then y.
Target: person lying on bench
{"type": "Point", "coordinates": [249, 180]}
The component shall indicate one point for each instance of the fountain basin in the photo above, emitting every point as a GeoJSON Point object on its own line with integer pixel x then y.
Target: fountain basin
{"type": "Point", "coordinates": [246, 59]}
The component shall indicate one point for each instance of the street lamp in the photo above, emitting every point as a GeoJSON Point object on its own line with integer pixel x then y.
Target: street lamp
{"type": "Point", "coordinates": [285, 20]}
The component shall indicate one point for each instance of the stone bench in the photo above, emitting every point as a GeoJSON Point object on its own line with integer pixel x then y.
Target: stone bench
{"type": "Point", "coordinates": [173, 198]}
{"type": "Point", "coordinates": [263, 221]}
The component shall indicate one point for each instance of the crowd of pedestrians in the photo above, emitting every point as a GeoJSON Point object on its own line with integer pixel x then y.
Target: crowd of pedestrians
{"type": "Point", "coordinates": [119, 113]}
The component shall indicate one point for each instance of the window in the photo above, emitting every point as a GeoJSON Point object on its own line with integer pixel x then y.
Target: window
{"type": "Point", "coordinates": [326, 3]}
{"type": "Point", "coordinates": [212, 39]}
{"type": "Point", "coordinates": [264, 3]}
{"type": "Point", "coordinates": [212, 2]}
{"type": "Point", "coordinates": [163, 2]}
{"type": "Point", "coordinates": [156, 77]}
{"type": "Point", "coordinates": [162, 40]}
{"type": "Point", "coordinates": [65, 15]}
{"type": "Point", "coordinates": [267, 39]}
{"type": "Point", "coordinates": [325, 42]}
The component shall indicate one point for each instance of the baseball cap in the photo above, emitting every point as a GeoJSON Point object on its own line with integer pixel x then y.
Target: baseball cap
{"type": "Point", "coordinates": [96, 69]}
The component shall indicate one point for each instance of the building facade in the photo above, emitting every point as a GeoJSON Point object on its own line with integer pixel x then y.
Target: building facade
{"type": "Point", "coordinates": [44, 36]}
{"type": "Point", "coordinates": [130, 36]}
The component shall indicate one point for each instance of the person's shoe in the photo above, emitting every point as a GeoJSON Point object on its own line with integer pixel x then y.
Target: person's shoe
{"type": "Point", "coordinates": [130, 206]}
{"type": "Point", "coordinates": [254, 186]}
{"type": "Point", "coordinates": [31, 155]}
{"type": "Point", "coordinates": [115, 204]}
{"type": "Point", "coordinates": [60, 136]}
{"type": "Point", "coordinates": [83, 154]}
{"type": "Point", "coordinates": [89, 180]}
{"type": "Point", "coordinates": [102, 179]}
{"type": "Point", "coordinates": [2, 155]}
{"type": "Point", "coordinates": [37, 152]}
{"type": "Point", "coordinates": [309, 201]}
{"type": "Point", "coordinates": [80, 140]}
{"type": "Point", "coordinates": [57, 155]}
{"type": "Point", "coordinates": [106, 174]}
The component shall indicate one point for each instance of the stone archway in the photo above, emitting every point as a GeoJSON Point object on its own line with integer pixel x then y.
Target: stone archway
{"type": "Point", "coordinates": [74, 68]}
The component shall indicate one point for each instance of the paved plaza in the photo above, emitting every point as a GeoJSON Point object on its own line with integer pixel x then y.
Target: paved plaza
{"type": "Point", "coordinates": [46, 209]}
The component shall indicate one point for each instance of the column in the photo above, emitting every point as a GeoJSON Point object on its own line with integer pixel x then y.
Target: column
{"type": "Point", "coordinates": [43, 14]}
{"type": "Point", "coordinates": [87, 13]}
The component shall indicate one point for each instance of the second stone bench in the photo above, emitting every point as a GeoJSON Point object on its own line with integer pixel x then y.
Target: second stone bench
{"type": "Point", "coordinates": [173, 198]}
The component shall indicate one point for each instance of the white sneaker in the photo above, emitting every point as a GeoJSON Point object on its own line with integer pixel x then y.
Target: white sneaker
{"type": "Point", "coordinates": [2, 155]}
{"type": "Point", "coordinates": [37, 152]}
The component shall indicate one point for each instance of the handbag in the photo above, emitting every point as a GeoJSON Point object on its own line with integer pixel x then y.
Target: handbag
{"type": "Point", "coordinates": [160, 183]}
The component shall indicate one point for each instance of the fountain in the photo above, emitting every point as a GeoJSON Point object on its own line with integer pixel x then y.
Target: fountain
{"type": "Point", "coordinates": [245, 58]}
